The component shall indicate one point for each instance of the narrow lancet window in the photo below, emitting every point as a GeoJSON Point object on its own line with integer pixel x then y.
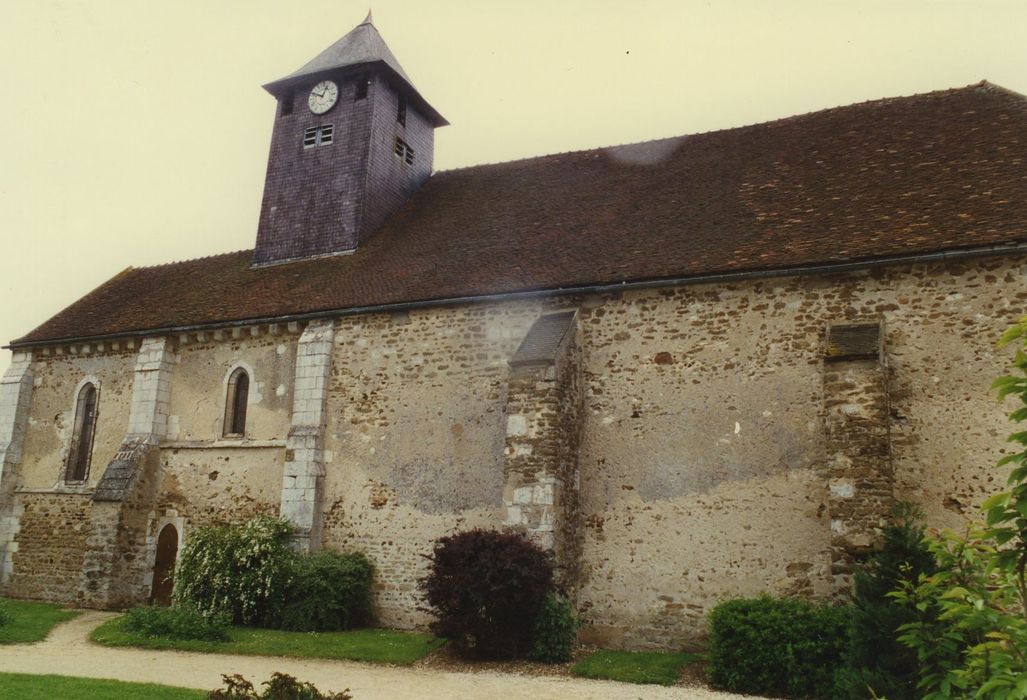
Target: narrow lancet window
{"type": "Point", "coordinates": [235, 406]}
{"type": "Point", "coordinates": [77, 468]}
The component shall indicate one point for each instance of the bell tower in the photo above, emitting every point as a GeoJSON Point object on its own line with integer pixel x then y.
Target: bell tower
{"type": "Point", "coordinates": [352, 140]}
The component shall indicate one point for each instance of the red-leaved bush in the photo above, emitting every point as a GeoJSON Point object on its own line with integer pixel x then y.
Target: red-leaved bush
{"type": "Point", "coordinates": [486, 589]}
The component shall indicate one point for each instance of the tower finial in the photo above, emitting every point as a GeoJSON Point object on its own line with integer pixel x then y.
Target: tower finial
{"type": "Point", "coordinates": [367, 20]}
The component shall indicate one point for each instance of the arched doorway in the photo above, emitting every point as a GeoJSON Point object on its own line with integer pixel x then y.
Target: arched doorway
{"type": "Point", "coordinates": [164, 566]}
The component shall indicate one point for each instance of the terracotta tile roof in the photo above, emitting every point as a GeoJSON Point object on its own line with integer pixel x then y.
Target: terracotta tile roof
{"type": "Point", "coordinates": [939, 171]}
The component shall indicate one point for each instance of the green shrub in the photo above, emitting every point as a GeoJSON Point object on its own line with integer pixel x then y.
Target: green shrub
{"type": "Point", "coordinates": [329, 591]}
{"type": "Point", "coordinates": [556, 630]}
{"type": "Point", "coordinates": [486, 589]}
{"type": "Point", "coordinates": [777, 647]}
{"type": "Point", "coordinates": [180, 622]}
{"type": "Point", "coordinates": [243, 571]}
{"type": "Point", "coordinates": [5, 614]}
{"type": "Point", "coordinates": [279, 687]}
{"type": "Point", "coordinates": [875, 661]}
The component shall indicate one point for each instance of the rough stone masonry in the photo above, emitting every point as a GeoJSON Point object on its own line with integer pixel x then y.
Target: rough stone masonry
{"type": "Point", "coordinates": [674, 446]}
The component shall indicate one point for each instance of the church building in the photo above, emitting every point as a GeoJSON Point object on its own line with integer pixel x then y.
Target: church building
{"type": "Point", "coordinates": [694, 368]}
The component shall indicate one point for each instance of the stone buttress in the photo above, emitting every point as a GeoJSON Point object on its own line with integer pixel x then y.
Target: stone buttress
{"type": "Point", "coordinates": [858, 445]}
{"type": "Point", "coordinates": [544, 413]}
{"type": "Point", "coordinates": [114, 568]}
{"type": "Point", "coordinates": [303, 479]}
{"type": "Point", "coordinates": [15, 399]}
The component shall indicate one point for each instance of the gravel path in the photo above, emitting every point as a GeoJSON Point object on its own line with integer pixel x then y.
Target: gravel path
{"type": "Point", "coordinates": [68, 652]}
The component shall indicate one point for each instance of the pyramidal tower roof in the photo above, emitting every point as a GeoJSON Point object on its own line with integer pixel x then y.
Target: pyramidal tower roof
{"type": "Point", "coordinates": [362, 47]}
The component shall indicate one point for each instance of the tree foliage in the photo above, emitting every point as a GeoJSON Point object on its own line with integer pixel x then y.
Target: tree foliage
{"type": "Point", "coordinates": [971, 633]}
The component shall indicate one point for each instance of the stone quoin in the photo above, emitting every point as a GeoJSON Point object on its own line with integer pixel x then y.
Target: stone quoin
{"type": "Point", "coordinates": [694, 368]}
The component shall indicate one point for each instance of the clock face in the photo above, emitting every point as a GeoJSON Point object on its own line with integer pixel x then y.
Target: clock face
{"type": "Point", "coordinates": [323, 97]}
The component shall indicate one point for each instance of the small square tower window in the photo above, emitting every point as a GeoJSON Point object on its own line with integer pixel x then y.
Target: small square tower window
{"type": "Point", "coordinates": [318, 135]}
{"type": "Point", "coordinates": [286, 102]}
{"type": "Point", "coordinates": [361, 92]}
{"type": "Point", "coordinates": [404, 152]}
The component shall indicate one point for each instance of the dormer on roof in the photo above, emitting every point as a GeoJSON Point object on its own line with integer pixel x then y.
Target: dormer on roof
{"type": "Point", "coordinates": [352, 140]}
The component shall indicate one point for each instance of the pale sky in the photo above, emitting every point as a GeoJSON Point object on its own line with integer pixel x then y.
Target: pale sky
{"type": "Point", "coordinates": [135, 132]}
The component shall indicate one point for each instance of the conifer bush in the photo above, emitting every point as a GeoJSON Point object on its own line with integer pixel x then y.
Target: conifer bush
{"type": "Point", "coordinates": [486, 589]}
{"type": "Point", "coordinates": [556, 631]}
{"type": "Point", "coordinates": [876, 662]}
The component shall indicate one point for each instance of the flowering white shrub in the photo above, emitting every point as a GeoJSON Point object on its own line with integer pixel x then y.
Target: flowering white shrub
{"type": "Point", "coordinates": [243, 570]}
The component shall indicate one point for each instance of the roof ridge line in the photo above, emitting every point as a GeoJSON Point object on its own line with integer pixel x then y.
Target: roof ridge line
{"type": "Point", "coordinates": [189, 260]}
{"type": "Point", "coordinates": [771, 122]}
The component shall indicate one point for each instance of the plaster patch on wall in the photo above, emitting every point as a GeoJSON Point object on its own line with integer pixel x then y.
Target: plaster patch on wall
{"type": "Point", "coordinates": [516, 425]}
{"type": "Point", "coordinates": [842, 488]}
{"type": "Point", "coordinates": [429, 486]}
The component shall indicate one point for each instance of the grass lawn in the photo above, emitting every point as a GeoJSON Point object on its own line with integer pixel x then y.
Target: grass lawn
{"type": "Point", "coordinates": [27, 687]}
{"type": "Point", "coordinates": [30, 621]}
{"type": "Point", "coordinates": [634, 666]}
{"type": "Point", "coordinates": [374, 645]}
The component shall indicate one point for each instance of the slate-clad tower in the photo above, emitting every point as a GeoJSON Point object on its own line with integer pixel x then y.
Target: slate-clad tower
{"type": "Point", "coordinates": [352, 140]}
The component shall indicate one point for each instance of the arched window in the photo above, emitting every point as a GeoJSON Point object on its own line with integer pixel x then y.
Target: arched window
{"type": "Point", "coordinates": [77, 469]}
{"type": "Point", "coordinates": [235, 405]}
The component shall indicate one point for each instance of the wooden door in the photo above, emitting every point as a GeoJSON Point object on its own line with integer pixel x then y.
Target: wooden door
{"type": "Point", "coordinates": [164, 566]}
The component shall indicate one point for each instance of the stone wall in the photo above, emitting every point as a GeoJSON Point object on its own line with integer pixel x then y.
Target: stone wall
{"type": "Point", "coordinates": [709, 431]}
{"type": "Point", "coordinates": [416, 430]}
{"type": "Point", "coordinates": [48, 435]}
{"type": "Point", "coordinates": [200, 383]}
{"type": "Point", "coordinates": [51, 541]}
{"type": "Point", "coordinates": [703, 460]}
